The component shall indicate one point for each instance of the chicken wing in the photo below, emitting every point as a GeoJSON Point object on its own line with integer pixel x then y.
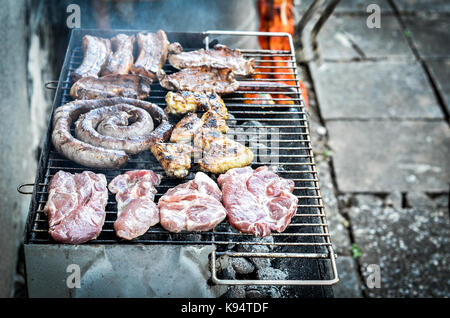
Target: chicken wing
{"type": "Point", "coordinates": [220, 153]}
{"type": "Point", "coordinates": [185, 101]}
{"type": "Point", "coordinates": [186, 128]}
{"type": "Point", "coordinates": [174, 158]}
{"type": "Point", "coordinates": [213, 120]}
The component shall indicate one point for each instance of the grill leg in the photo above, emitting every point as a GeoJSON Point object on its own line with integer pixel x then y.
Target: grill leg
{"type": "Point", "coordinates": [313, 8]}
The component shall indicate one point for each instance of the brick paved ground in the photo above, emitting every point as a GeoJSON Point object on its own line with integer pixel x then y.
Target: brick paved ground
{"type": "Point", "coordinates": [379, 103]}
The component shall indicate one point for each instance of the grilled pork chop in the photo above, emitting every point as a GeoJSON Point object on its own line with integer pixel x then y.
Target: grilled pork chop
{"type": "Point", "coordinates": [136, 211]}
{"type": "Point", "coordinates": [200, 79]}
{"type": "Point", "coordinates": [121, 60]}
{"type": "Point", "coordinates": [96, 52]}
{"type": "Point", "coordinates": [116, 85]}
{"type": "Point", "coordinates": [218, 57]}
{"type": "Point", "coordinates": [152, 53]}
{"type": "Point", "coordinates": [257, 201]}
{"type": "Point", "coordinates": [76, 206]}
{"type": "Point", "coordinates": [192, 206]}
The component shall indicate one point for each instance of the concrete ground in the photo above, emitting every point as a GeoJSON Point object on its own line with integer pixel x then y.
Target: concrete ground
{"type": "Point", "coordinates": [379, 104]}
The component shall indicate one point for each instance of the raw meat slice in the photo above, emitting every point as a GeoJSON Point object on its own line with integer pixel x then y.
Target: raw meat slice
{"type": "Point", "coordinates": [76, 206]}
{"type": "Point", "coordinates": [136, 211]}
{"type": "Point", "coordinates": [192, 206]}
{"type": "Point", "coordinates": [257, 201]}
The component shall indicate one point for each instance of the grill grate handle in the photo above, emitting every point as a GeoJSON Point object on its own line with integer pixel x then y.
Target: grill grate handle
{"type": "Point", "coordinates": [19, 188]}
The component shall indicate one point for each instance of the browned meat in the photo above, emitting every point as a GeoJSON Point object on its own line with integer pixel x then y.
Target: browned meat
{"type": "Point", "coordinates": [96, 127]}
{"type": "Point", "coordinates": [186, 128]}
{"type": "Point", "coordinates": [124, 85]}
{"type": "Point", "coordinates": [257, 201]}
{"type": "Point", "coordinates": [190, 125]}
{"type": "Point", "coordinates": [121, 60]}
{"type": "Point", "coordinates": [96, 52]}
{"type": "Point", "coordinates": [174, 158]}
{"type": "Point", "coordinates": [76, 206]}
{"type": "Point", "coordinates": [152, 54]}
{"type": "Point", "coordinates": [185, 101]}
{"type": "Point", "coordinates": [136, 211]}
{"type": "Point", "coordinates": [200, 79]}
{"type": "Point", "coordinates": [93, 156]}
{"type": "Point", "coordinates": [192, 206]}
{"type": "Point", "coordinates": [218, 57]}
{"type": "Point", "coordinates": [213, 120]}
{"type": "Point", "coordinates": [220, 153]}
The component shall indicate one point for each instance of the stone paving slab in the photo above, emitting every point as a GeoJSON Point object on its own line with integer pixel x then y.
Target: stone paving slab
{"type": "Point", "coordinates": [341, 33]}
{"type": "Point", "coordinates": [430, 35]}
{"type": "Point", "coordinates": [384, 156]}
{"type": "Point", "coordinates": [367, 90]}
{"type": "Point", "coordinates": [411, 247]}
{"type": "Point", "coordinates": [423, 5]}
{"type": "Point", "coordinates": [440, 71]}
{"type": "Point", "coordinates": [337, 224]}
{"type": "Point", "coordinates": [349, 284]}
{"type": "Point", "coordinates": [354, 6]}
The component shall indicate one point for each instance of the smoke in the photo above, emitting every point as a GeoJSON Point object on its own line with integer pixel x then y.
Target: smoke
{"type": "Point", "coordinates": [174, 15]}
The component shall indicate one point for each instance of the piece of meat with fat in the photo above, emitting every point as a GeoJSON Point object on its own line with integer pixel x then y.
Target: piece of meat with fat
{"type": "Point", "coordinates": [257, 201]}
{"type": "Point", "coordinates": [200, 79]}
{"type": "Point", "coordinates": [152, 54]}
{"type": "Point", "coordinates": [136, 210]}
{"type": "Point", "coordinates": [76, 206]}
{"type": "Point", "coordinates": [192, 206]}
{"type": "Point", "coordinates": [121, 60]}
{"type": "Point", "coordinates": [219, 56]}
{"type": "Point", "coordinates": [95, 56]}
{"type": "Point", "coordinates": [114, 85]}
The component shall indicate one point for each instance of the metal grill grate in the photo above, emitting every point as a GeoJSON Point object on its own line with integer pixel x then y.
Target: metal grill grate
{"type": "Point", "coordinates": [306, 240]}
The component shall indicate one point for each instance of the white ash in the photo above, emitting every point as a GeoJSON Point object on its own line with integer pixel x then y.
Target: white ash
{"type": "Point", "coordinates": [262, 292]}
{"type": "Point", "coordinates": [269, 273]}
{"type": "Point", "coordinates": [242, 265]}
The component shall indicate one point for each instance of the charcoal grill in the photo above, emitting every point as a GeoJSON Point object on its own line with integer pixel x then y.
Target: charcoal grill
{"type": "Point", "coordinates": [306, 242]}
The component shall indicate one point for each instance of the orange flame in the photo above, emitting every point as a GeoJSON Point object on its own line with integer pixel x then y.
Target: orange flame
{"type": "Point", "coordinates": [277, 16]}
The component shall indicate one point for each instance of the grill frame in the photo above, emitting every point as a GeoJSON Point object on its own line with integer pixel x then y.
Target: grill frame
{"type": "Point", "coordinates": [317, 241]}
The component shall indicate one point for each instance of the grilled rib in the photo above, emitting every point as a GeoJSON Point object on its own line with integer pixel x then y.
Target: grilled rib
{"type": "Point", "coordinates": [96, 52]}
{"type": "Point", "coordinates": [152, 53]}
{"type": "Point", "coordinates": [121, 60]}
